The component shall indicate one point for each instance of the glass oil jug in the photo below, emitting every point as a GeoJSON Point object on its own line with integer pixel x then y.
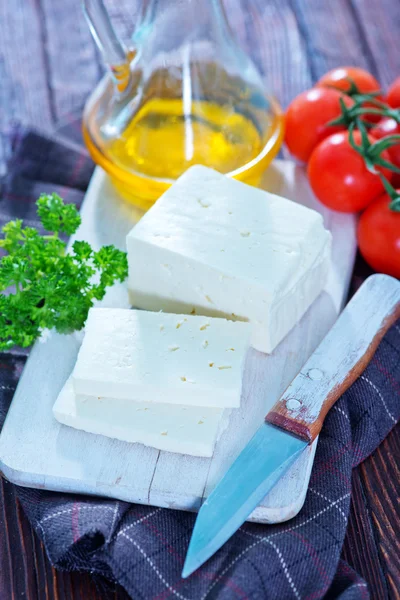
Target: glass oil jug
{"type": "Point", "coordinates": [183, 93]}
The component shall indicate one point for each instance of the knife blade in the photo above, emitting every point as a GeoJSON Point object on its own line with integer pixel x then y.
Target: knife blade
{"type": "Point", "coordinates": [297, 417]}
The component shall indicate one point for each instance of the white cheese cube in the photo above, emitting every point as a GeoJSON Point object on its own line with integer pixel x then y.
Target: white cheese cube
{"type": "Point", "coordinates": [219, 247]}
{"type": "Point", "coordinates": [165, 358]}
{"type": "Point", "coordinates": [187, 430]}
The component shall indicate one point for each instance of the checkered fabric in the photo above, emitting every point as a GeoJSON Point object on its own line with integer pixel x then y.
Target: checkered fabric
{"type": "Point", "coordinates": [143, 548]}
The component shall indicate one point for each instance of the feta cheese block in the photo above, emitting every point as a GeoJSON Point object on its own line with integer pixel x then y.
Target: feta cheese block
{"type": "Point", "coordinates": [215, 246]}
{"type": "Point", "coordinates": [183, 429]}
{"type": "Point", "coordinates": [165, 358]}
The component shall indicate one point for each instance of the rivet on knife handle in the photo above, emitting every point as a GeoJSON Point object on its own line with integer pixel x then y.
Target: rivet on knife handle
{"type": "Point", "coordinates": [340, 359]}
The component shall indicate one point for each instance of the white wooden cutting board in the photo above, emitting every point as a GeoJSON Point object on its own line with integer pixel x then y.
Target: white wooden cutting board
{"type": "Point", "coordinates": [36, 451]}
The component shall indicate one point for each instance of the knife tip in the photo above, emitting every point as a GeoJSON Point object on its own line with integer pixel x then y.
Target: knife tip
{"type": "Point", "coordinates": [193, 561]}
{"type": "Point", "coordinates": [188, 569]}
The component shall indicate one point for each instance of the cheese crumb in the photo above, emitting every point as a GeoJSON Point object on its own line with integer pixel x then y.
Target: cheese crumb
{"type": "Point", "coordinates": [183, 378]}
{"type": "Point", "coordinates": [204, 203]}
{"type": "Point", "coordinates": [164, 433]}
{"type": "Point", "coordinates": [222, 367]}
{"type": "Point", "coordinates": [173, 348]}
{"type": "Point", "coordinates": [205, 344]}
{"type": "Point", "coordinates": [200, 422]}
{"type": "Point", "coordinates": [245, 233]}
{"type": "Point", "coordinates": [203, 327]}
{"type": "Point", "coordinates": [211, 364]}
{"type": "Point", "coordinates": [209, 299]}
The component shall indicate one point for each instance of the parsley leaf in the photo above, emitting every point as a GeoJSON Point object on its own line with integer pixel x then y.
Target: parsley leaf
{"type": "Point", "coordinates": [57, 216]}
{"type": "Point", "coordinates": [45, 288]}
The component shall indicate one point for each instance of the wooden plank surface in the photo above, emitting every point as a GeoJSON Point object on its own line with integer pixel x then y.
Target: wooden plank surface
{"type": "Point", "coordinates": [294, 41]}
{"type": "Point", "coordinates": [372, 544]}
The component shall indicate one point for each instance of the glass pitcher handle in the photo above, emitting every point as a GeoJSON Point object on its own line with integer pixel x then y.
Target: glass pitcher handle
{"type": "Point", "coordinates": [115, 54]}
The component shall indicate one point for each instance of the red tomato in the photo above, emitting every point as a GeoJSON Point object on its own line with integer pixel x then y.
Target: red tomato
{"type": "Point", "coordinates": [340, 79]}
{"type": "Point", "coordinates": [393, 95]}
{"type": "Point", "coordinates": [307, 120]}
{"type": "Point", "coordinates": [379, 236]}
{"type": "Point", "coordinates": [339, 177]}
{"type": "Point", "coordinates": [385, 127]}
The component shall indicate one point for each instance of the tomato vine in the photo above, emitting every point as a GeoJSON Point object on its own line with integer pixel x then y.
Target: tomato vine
{"type": "Point", "coordinates": [355, 117]}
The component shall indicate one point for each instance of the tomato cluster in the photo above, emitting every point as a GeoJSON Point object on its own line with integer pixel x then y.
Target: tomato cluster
{"type": "Point", "coordinates": [335, 127]}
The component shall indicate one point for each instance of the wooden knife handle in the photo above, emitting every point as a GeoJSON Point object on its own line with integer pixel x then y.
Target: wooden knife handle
{"type": "Point", "coordinates": [340, 359]}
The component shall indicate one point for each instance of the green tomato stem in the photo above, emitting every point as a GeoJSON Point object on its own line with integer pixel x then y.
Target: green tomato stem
{"type": "Point", "coordinates": [392, 193]}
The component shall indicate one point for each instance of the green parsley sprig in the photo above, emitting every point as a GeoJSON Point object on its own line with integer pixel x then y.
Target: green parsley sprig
{"type": "Point", "coordinates": [42, 287]}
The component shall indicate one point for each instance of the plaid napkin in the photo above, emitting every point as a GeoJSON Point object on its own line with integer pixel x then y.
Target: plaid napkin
{"type": "Point", "coordinates": [143, 548]}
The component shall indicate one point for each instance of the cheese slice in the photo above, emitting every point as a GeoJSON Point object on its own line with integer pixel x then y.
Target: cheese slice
{"type": "Point", "coordinates": [165, 358]}
{"type": "Point", "coordinates": [218, 247]}
{"type": "Point", "coordinates": [187, 430]}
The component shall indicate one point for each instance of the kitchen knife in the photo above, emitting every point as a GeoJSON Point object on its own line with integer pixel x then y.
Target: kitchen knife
{"type": "Point", "coordinates": [297, 417]}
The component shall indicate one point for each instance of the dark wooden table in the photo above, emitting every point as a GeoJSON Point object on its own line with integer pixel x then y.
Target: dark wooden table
{"type": "Point", "coordinates": [48, 66]}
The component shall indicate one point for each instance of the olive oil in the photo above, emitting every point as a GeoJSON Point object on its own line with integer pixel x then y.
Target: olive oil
{"type": "Point", "coordinates": [162, 141]}
{"type": "Point", "coordinates": [157, 131]}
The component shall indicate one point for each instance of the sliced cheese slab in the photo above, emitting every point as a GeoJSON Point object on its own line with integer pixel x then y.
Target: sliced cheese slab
{"type": "Point", "coordinates": [219, 247]}
{"type": "Point", "coordinates": [187, 430]}
{"type": "Point", "coordinates": [165, 358]}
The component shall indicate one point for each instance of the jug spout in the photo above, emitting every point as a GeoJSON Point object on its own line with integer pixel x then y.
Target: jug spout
{"type": "Point", "coordinates": [116, 56]}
